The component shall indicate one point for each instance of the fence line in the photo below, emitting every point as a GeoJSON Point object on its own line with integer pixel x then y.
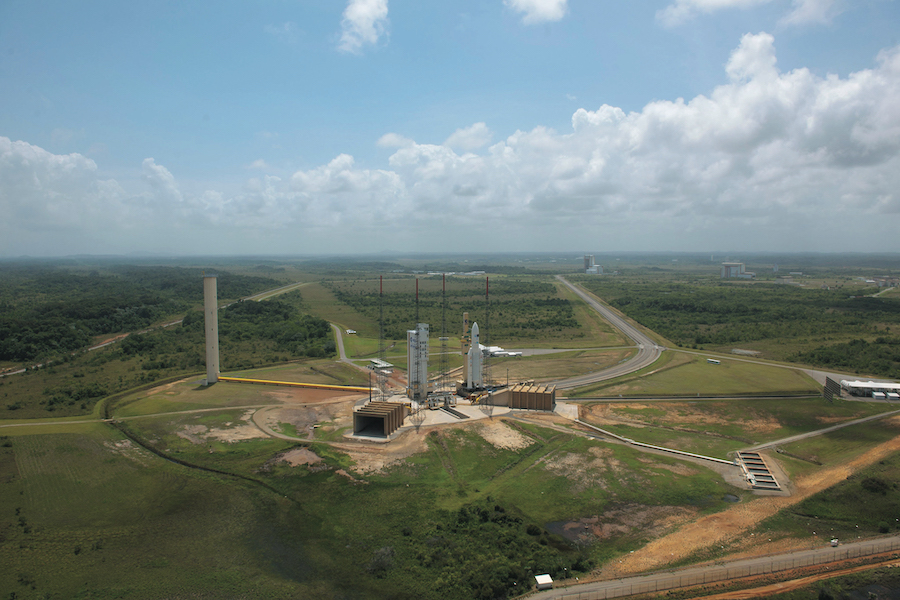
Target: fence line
{"type": "Point", "coordinates": [660, 582]}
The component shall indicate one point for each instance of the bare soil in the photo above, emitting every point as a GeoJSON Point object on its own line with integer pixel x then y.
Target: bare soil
{"type": "Point", "coordinates": [730, 528]}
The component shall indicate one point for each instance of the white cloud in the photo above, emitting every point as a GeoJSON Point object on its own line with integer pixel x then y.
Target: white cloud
{"type": "Point", "coordinates": [287, 32]}
{"type": "Point", "coordinates": [767, 160]}
{"type": "Point", "coordinates": [813, 11]}
{"type": "Point", "coordinates": [684, 10]}
{"type": "Point", "coordinates": [393, 140]}
{"type": "Point", "coordinates": [470, 138]}
{"type": "Point", "coordinates": [539, 11]}
{"type": "Point", "coordinates": [364, 22]}
{"type": "Point", "coordinates": [259, 164]}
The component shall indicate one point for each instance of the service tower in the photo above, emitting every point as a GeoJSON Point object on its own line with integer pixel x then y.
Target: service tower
{"type": "Point", "coordinates": [211, 320]}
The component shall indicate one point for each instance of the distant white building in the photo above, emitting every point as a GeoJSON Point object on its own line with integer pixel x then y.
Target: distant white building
{"type": "Point", "coordinates": [591, 267]}
{"type": "Point", "coordinates": [736, 269]}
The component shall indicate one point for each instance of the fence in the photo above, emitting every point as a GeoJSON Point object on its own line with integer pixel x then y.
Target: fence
{"type": "Point", "coordinates": [660, 582]}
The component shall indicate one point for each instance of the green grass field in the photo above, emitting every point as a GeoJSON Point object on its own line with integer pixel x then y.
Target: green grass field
{"type": "Point", "coordinates": [682, 374]}
{"type": "Point", "coordinates": [718, 427]}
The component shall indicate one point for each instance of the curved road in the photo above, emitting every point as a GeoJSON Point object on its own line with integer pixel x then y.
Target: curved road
{"type": "Point", "coordinates": [648, 350]}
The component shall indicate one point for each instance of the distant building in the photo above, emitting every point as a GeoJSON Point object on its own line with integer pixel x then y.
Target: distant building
{"type": "Point", "coordinates": [732, 269]}
{"type": "Point", "coordinates": [736, 269]}
{"type": "Point", "coordinates": [591, 267]}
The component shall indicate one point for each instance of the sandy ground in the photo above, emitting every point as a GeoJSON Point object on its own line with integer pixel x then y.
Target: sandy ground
{"type": "Point", "coordinates": [730, 527]}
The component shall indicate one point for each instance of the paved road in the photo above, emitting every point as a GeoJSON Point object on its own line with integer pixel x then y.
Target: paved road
{"type": "Point", "coordinates": [667, 580]}
{"type": "Point", "coordinates": [810, 434]}
{"type": "Point", "coordinates": [339, 339]}
{"type": "Point", "coordinates": [648, 350]}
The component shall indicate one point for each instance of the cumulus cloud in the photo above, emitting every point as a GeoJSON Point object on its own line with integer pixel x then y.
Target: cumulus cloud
{"type": "Point", "coordinates": [393, 140]}
{"type": "Point", "coordinates": [259, 164]}
{"type": "Point", "coordinates": [539, 11]}
{"type": "Point", "coordinates": [767, 157]}
{"type": "Point", "coordinates": [470, 138]}
{"type": "Point", "coordinates": [684, 10]}
{"type": "Point", "coordinates": [364, 23]}
{"type": "Point", "coordinates": [819, 12]}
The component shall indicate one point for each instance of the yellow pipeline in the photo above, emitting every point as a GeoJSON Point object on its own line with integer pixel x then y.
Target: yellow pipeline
{"type": "Point", "coordinates": [319, 386]}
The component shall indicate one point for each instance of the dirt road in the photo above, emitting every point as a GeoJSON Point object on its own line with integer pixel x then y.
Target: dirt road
{"type": "Point", "coordinates": [732, 526]}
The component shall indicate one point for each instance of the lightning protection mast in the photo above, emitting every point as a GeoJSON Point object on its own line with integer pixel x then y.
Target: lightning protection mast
{"type": "Point", "coordinates": [380, 376]}
{"type": "Point", "coordinates": [444, 386]}
{"type": "Point", "coordinates": [486, 365]}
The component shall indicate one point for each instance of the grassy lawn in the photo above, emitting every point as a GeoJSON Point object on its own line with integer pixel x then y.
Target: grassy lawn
{"type": "Point", "coordinates": [837, 447]}
{"type": "Point", "coordinates": [92, 515]}
{"type": "Point", "coordinates": [558, 365]}
{"type": "Point", "coordinates": [863, 505]}
{"type": "Point", "coordinates": [598, 332]}
{"type": "Point", "coordinates": [717, 427]}
{"type": "Point", "coordinates": [684, 374]}
{"type": "Point", "coordinates": [319, 301]}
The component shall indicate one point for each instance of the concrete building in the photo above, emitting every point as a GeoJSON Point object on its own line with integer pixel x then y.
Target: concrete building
{"type": "Point", "coordinates": [736, 269]}
{"type": "Point", "coordinates": [211, 321]}
{"type": "Point", "coordinates": [732, 269]}
{"type": "Point", "coordinates": [379, 419]}
{"type": "Point", "coordinates": [417, 362]}
{"type": "Point", "coordinates": [588, 262]}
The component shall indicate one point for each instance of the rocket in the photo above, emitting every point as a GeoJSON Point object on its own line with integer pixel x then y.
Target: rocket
{"type": "Point", "coordinates": [473, 360]}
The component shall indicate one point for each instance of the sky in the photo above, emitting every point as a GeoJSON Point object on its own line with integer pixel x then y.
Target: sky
{"type": "Point", "coordinates": [272, 127]}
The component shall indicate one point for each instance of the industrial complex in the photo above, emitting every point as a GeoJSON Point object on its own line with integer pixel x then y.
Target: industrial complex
{"type": "Point", "coordinates": [383, 412]}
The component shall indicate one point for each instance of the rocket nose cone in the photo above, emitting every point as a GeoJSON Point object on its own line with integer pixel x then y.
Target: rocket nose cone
{"type": "Point", "coordinates": [475, 329]}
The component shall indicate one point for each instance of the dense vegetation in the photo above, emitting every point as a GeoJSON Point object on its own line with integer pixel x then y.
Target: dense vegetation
{"type": "Point", "coordinates": [53, 314]}
{"type": "Point", "coordinates": [816, 326]}
{"type": "Point", "coordinates": [45, 311]}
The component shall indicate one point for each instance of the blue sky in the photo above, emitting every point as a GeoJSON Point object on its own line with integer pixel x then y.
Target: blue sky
{"type": "Point", "coordinates": [319, 126]}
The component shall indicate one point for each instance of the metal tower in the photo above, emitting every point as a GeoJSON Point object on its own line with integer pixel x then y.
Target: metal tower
{"type": "Point", "coordinates": [380, 376]}
{"type": "Point", "coordinates": [487, 332]}
{"type": "Point", "coordinates": [443, 384]}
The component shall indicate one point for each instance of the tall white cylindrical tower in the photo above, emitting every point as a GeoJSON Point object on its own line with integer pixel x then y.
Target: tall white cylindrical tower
{"type": "Point", "coordinates": [474, 359]}
{"type": "Point", "coordinates": [211, 320]}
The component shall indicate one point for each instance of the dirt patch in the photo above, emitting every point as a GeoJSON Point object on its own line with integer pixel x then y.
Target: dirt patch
{"type": "Point", "coordinates": [501, 435]}
{"type": "Point", "coordinates": [201, 434]}
{"type": "Point", "coordinates": [729, 528]}
{"type": "Point", "coordinates": [677, 468]}
{"type": "Point", "coordinates": [651, 521]}
{"type": "Point", "coordinates": [236, 434]}
{"type": "Point", "coordinates": [193, 433]}
{"type": "Point", "coordinates": [168, 386]}
{"type": "Point", "coordinates": [682, 414]}
{"type": "Point", "coordinates": [300, 456]}
{"type": "Point", "coordinates": [376, 458]}
{"type": "Point", "coordinates": [127, 449]}
{"type": "Point", "coordinates": [584, 471]}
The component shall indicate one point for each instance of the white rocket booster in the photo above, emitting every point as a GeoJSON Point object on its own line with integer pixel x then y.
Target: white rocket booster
{"type": "Point", "coordinates": [474, 360]}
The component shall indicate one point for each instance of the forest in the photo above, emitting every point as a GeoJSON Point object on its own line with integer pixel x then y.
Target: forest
{"type": "Point", "coordinates": [832, 328]}
{"type": "Point", "coordinates": [47, 310]}
{"type": "Point", "coordinates": [54, 314]}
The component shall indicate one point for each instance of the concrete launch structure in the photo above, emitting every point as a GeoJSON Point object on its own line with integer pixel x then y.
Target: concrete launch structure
{"type": "Point", "coordinates": [474, 362]}
{"type": "Point", "coordinates": [211, 320]}
{"type": "Point", "coordinates": [417, 361]}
